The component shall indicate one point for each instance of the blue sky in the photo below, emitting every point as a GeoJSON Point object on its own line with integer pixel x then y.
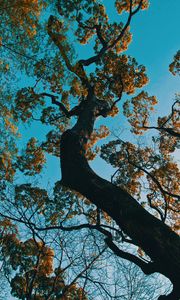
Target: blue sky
{"type": "Point", "coordinates": [155, 41]}
{"type": "Point", "coordinates": [156, 38]}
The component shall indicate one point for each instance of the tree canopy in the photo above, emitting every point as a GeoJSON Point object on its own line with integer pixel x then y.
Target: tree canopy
{"type": "Point", "coordinates": [64, 241]}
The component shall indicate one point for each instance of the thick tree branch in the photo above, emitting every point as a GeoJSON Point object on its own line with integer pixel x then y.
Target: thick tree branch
{"type": "Point", "coordinates": [78, 67]}
{"type": "Point", "coordinates": [156, 239]}
{"type": "Point", "coordinates": [75, 111]}
{"type": "Point", "coordinates": [54, 101]}
{"type": "Point", "coordinates": [159, 211]}
{"type": "Point", "coordinates": [99, 35]}
{"type": "Point", "coordinates": [147, 268]}
{"type": "Point", "coordinates": [106, 46]}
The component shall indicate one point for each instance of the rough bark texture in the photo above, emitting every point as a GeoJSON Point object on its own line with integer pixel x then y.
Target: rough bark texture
{"type": "Point", "coordinates": [158, 241]}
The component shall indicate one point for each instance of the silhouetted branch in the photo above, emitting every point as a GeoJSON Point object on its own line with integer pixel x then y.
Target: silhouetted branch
{"type": "Point", "coordinates": [147, 268]}
{"type": "Point", "coordinates": [96, 58]}
{"type": "Point", "coordinates": [96, 27]}
{"type": "Point", "coordinates": [168, 130]}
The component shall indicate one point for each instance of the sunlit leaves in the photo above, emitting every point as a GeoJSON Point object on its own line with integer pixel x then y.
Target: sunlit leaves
{"type": "Point", "coordinates": [21, 18]}
{"type": "Point", "coordinates": [79, 8]}
{"type": "Point", "coordinates": [118, 73]}
{"type": "Point", "coordinates": [141, 170]}
{"type": "Point", "coordinates": [98, 134]}
{"type": "Point", "coordinates": [124, 156]}
{"type": "Point", "coordinates": [124, 5]}
{"type": "Point", "coordinates": [92, 20]}
{"type": "Point", "coordinates": [70, 207]}
{"type": "Point", "coordinates": [33, 272]}
{"type": "Point", "coordinates": [34, 261]}
{"type": "Point", "coordinates": [52, 143]}
{"type": "Point", "coordinates": [6, 227]}
{"type": "Point", "coordinates": [168, 176]}
{"type": "Point", "coordinates": [32, 160]}
{"type": "Point", "coordinates": [22, 13]}
{"type": "Point", "coordinates": [174, 67]}
{"type": "Point", "coordinates": [7, 164]}
{"type": "Point", "coordinates": [28, 196]}
{"type": "Point", "coordinates": [30, 255]}
{"type": "Point", "coordinates": [97, 23]}
{"type": "Point", "coordinates": [56, 31]}
{"type": "Point", "coordinates": [50, 73]}
{"type": "Point", "coordinates": [77, 89]}
{"type": "Point", "coordinates": [25, 103]}
{"type": "Point", "coordinates": [50, 62]}
{"type": "Point", "coordinates": [8, 127]}
{"type": "Point", "coordinates": [51, 116]}
{"type": "Point", "coordinates": [138, 109]}
{"type": "Point", "coordinates": [8, 148]}
{"type": "Point", "coordinates": [10, 246]}
{"type": "Point", "coordinates": [169, 133]}
{"type": "Point", "coordinates": [64, 205]}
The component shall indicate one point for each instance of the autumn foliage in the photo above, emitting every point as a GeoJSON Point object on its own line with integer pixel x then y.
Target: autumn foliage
{"type": "Point", "coordinates": [38, 42]}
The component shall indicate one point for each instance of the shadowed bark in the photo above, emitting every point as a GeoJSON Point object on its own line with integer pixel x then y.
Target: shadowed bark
{"type": "Point", "coordinates": [158, 241]}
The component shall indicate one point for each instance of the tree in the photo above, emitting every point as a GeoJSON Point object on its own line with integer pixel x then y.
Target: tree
{"type": "Point", "coordinates": [108, 207]}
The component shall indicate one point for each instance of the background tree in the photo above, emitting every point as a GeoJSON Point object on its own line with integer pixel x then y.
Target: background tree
{"type": "Point", "coordinates": [67, 97]}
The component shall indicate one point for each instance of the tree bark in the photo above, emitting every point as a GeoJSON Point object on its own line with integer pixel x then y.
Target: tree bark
{"type": "Point", "coordinates": [158, 241]}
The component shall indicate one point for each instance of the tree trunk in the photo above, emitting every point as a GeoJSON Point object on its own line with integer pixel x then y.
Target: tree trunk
{"type": "Point", "coordinates": [158, 241]}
